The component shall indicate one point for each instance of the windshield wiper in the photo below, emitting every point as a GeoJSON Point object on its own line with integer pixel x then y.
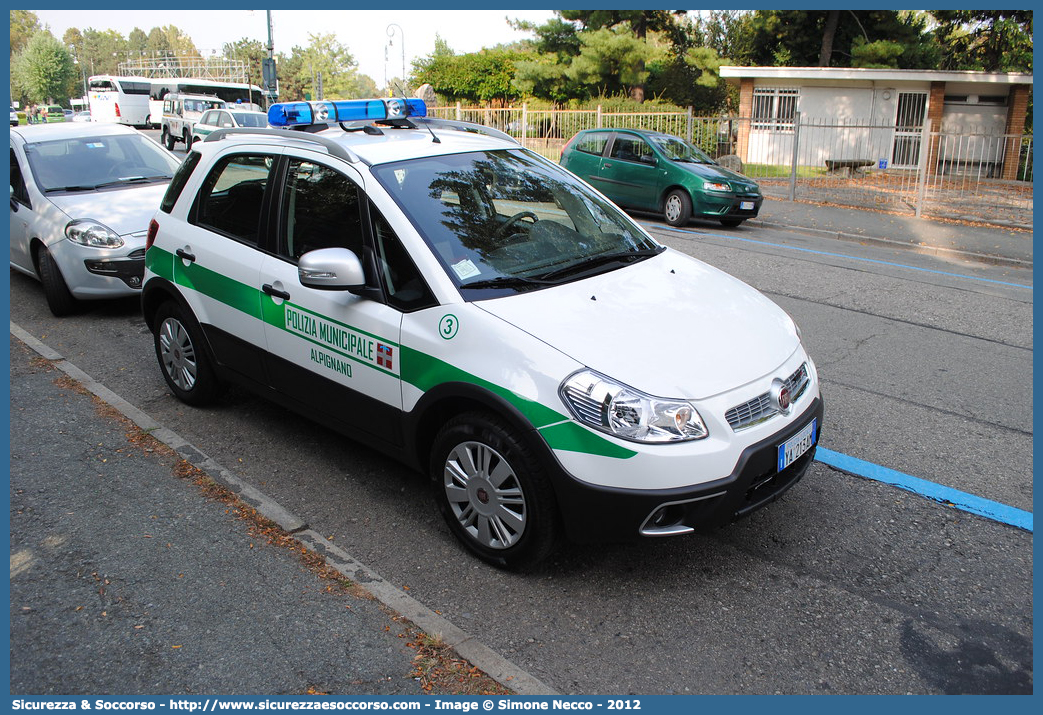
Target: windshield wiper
{"type": "Point", "coordinates": [593, 262]}
{"type": "Point", "coordinates": [508, 282]}
{"type": "Point", "coordinates": [132, 180]}
{"type": "Point", "coordinates": [91, 187]}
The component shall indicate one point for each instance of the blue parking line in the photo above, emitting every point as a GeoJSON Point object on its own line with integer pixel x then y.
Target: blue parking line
{"type": "Point", "coordinates": [946, 495]}
{"type": "Point", "coordinates": [839, 255]}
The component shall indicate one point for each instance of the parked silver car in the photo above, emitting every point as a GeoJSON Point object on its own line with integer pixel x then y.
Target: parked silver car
{"type": "Point", "coordinates": [82, 196]}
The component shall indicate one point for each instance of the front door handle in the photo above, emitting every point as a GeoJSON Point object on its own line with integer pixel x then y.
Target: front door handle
{"type": "Point", "coordinates": [275, 292]}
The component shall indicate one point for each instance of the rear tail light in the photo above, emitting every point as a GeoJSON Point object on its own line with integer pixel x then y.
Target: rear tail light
{"type": "Point", "coordinates": [117, 110]}
{"type": "Point", "coordinates": [153, 229]}
{"type": "Point", "coordinates": [566, 148]}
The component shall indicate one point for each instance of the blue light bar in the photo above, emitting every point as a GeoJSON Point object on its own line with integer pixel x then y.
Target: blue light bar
{"type": "Point", "coordinates": [297, 114]}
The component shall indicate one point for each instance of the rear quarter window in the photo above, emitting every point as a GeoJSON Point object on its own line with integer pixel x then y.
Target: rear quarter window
{"type": "Point", "coordinates": [592, 144]}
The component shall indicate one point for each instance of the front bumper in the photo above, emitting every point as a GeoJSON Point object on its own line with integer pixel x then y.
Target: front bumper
{"type": "Point", "coordinates": [93, 273]}
{"type": "Point", "coordinates": [727, 206]}
{"type": "Point", "coordinates": [129, 269]}
{"type": "Point", "coordinates": [597, 514]}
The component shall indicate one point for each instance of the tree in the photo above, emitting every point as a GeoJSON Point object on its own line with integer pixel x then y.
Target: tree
{"type": "Point", "coordinates": [252, 52]}
{"type": "Point", "coordinates": [24, 24]}
{"type": "Point", "coordinates": [486, 76]}
{"type": "Point", "coordinates": [43, 69]}
{"type": "Point", "coordinates": [826, 38]}
{"type": "Point", "coordinates": [325, 58]}
{"type": "Point", "coordinates": [137, 42]}
{"type": "Point", "coordinates": [986, 40]}
{"type": "Point", "coordinates": [639, 22]}
{"type": "Point", "coordinates": [612, 61]}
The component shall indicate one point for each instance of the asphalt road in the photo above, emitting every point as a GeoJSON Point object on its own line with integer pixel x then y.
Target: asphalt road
{"type": "Point", "coordinates": [845, 585]}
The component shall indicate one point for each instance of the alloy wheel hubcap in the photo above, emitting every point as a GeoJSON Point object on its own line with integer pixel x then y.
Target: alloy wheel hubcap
{"type": "Point", "coordinates": [485, 495]}
{"type": "Point", "coordinates": [673, 208]}
{"type": "Point", "coordinates": [177, 354]}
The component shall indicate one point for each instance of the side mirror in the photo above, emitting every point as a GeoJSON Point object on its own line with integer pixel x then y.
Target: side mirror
{"type": "Point", "coordinates": [331, 269]}
{"type": "Point", "coordinates": [14, 204]}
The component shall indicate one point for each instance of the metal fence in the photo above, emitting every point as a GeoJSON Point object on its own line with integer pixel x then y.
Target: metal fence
{"type": "Point", "coordinates": [904, 169]}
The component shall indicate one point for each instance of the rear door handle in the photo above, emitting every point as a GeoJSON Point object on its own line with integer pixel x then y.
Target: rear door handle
{"type": "Point", "coordinates": [182, 253]}
{"type": "Point", "coordinates": [275, 292]}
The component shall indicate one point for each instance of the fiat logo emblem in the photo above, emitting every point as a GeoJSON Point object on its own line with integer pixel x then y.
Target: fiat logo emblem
{"type": "Point", "coordinates": [780, 396]}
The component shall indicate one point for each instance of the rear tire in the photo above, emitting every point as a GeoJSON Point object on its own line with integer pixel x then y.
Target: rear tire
{"type": "Point", "coordinates": [168, 139]}
{"type": "Point", "coordinates": [493, 492]}
{"type": "Point", "coordinates": [59, 298]}
{"type": "Point", "coordinates": [677, 208]}
{"type": "Point", "coordinates": [183, 357]}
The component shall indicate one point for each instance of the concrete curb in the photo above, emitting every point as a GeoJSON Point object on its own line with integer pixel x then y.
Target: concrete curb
{"type": "Point", "coordinates": [891, 243]}
{"type": "Point", "coordinates": [489, 661]}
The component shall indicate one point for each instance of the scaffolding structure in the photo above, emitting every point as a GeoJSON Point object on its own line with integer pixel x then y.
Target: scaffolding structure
{"type": "Point", "coordinates": [220, 69]}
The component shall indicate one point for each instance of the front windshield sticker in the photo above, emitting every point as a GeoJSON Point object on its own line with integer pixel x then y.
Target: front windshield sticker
{"type": "Point", "coordinates": [466, 269]}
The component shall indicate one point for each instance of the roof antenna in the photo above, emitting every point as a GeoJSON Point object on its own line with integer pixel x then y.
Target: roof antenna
{"type": "Point", "coordinates": [434, 139]}
{"type": "Point", "coordinates": [402, 92]}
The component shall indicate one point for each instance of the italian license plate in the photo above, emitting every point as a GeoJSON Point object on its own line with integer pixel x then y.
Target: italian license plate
{"type": "Point", "coordinates": [798, 444]}
{"type": "Point", "coordinates": [746, 205]}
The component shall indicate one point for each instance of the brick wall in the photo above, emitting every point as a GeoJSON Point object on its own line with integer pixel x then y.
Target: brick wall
{"type": "Point", "coordinates": [745, 110]}
{"type": "Point", "coordinates": [1017, 108]}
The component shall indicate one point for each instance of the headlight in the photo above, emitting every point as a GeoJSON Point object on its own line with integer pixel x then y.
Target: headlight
{"type": "Point", "coordinates": [609, 406]}
{"type": "Point", "coordinates": [93, 234]}
{"type": "Point", "coordinates": [714, 186]}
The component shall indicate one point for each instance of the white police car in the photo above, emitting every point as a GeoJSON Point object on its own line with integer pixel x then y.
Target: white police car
{"type": "Point", "coordinates": [477, 311]}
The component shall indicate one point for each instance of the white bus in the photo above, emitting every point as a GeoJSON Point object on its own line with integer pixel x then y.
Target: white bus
{"type": "Point", "coordinates": [124, 100]}
{"type": "Point", "coordinates": [246, 95]}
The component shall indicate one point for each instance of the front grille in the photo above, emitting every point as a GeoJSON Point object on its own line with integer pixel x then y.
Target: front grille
{"type": "Point", "coordinates": [760, 408]}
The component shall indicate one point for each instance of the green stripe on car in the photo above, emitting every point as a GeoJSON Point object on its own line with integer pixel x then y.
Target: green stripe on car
{"type": "Point", "coordinates": [419, 369]}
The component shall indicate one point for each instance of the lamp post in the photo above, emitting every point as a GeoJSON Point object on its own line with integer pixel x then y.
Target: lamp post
{"type": "Point", "coordinates": [391, 42]}
{"type": "Point", "coordinates": [83, 70]}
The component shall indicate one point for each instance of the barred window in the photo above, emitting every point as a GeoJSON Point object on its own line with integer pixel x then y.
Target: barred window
{"type": "Point", "coordinates": [774, 108]}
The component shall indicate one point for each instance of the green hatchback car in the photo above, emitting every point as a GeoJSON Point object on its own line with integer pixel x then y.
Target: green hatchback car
{"type": "Point", "coordinates": [652, 171]}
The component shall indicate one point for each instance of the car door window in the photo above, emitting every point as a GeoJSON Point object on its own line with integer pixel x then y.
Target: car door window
{"type": "Point", "coordinates": [207, 118]}
{"type": "Point", "coordinates": [626, 148]}
{"type": "Point", "coordinates": [232, 196]}
{"type": "Point", "coordinates": [320, 209]}
{"type": "Point", "coordinates": [405, 287]}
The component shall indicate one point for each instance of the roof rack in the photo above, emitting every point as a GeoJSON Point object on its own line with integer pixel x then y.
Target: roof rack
{"type": "Point", "coordinates": [331, 146]}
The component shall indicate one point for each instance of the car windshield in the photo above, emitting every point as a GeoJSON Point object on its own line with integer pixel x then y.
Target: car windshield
{"type": "Point", "coordinates": [250, 119]}
{"type": "Point", "coordinates": [677, 149]}
{"type": "Point", "coordinates": [93, 162]}
{"type": "Point", "coordinates": [508, 221]}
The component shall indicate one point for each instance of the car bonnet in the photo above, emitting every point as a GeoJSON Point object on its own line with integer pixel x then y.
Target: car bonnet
{"type": "Point", "coordinates": [125, 210]}
{"type": "Point", "coordinates": [671, 326]}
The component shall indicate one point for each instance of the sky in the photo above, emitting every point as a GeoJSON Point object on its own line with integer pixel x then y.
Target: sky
{"type": "Point", "coordinates": [363, 32]}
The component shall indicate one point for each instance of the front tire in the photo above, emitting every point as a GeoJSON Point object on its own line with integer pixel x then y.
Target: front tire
{"type": "Point", "coordinates": [187, 138]}
{"type": "Point", "coordinates": [493, 492]}
{"type": "Point", "coordinates": [183, 358]}
{"type": "Point", "coordinates": [59, 298]}
{"type": "Point", "coordinates": [677, 208]}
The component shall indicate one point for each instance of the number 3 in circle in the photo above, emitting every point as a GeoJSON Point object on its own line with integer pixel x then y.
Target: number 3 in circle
{"type": "Point", "coordinates": [448, 326]}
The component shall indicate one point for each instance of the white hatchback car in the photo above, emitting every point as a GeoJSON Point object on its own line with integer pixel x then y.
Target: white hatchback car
{"type": "Point", "coordinates": [214, 119]}
{"type": "Point", "coordinates": [440, 293]}
{"type": "Point", "coordinates": [81, 199]}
